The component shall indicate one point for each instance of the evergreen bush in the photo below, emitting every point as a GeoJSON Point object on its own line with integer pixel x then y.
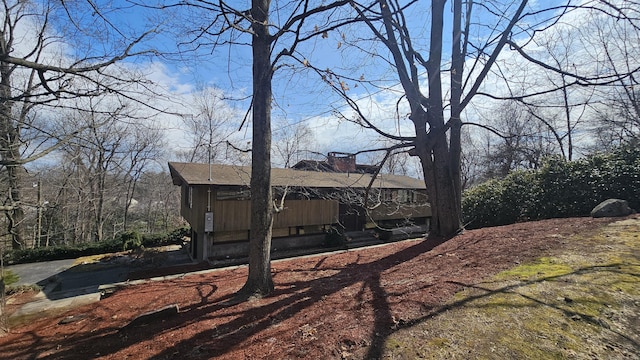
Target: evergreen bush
{"type": "Point", "coordinates": [175, 237]}
{"type": "Point", "coordinates": [558, 189]}
{"type": "Point", "coordinates": [131, 240]}
{"type": "Point", "coordinates": [335, 238]}
{"type": "Point", "coordinates": [126, 241]}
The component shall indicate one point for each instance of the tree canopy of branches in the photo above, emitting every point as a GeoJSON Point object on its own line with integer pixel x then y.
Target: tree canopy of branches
{"type": "Point", "coordinates": [39, 72]}
{"type": "Point", "coordinates": [445, 59]}
{"type": "Point", "coordinates": [433, 62]}
{"type": "Point", "coordinates": [271, 41]}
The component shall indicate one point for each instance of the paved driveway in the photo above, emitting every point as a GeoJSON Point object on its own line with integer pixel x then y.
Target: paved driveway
{"type": "Point", "coordinates": [66, 286]}
{"type": "Point", "coordinates": [61, 278]}
{"type": "Point", "coordinates": [35, 273]}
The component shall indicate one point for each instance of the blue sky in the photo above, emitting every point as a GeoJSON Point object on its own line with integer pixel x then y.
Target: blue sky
{"type": "Point", "coordinates": [299, 95]}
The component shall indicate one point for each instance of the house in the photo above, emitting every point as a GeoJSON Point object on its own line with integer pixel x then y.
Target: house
{"type": "Point", "coordinates": [215, 200]}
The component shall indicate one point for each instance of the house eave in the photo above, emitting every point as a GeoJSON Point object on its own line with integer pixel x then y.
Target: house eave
{"type": "Point", "coordinates": [229, 175]}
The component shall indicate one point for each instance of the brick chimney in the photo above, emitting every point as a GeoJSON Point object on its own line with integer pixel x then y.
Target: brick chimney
{"type": "Point", "coordinates": [342, 162]}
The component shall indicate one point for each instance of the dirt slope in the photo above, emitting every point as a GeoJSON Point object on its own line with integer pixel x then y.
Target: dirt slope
{"type": "Point", "coordinates": [371, 303]}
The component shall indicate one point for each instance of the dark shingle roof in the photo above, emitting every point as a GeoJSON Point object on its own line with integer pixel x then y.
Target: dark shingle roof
{"type": "Point", "coordinates": [198, 174]}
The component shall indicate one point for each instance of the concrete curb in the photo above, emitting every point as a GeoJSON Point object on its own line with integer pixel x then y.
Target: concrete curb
{"type": "Point", "coordinates": [43, 305]}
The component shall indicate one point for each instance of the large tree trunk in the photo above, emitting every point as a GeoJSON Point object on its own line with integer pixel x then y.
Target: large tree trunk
{"type": "Point", "coordinates": [436, 156]}
{"type": "Point", "coordinates": [10, 154]}
{"type": "Point", "coordinates": [259, 281]}
{"type": "Point", "coordinates": [446, 219]}
{"type": "Point", "coordinates": [427, 114]}
{"type": "Point", "coordinates": [455, 135]}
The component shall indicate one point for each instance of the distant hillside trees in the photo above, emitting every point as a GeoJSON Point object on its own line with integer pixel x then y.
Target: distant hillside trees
{"type": "Point", "coordinates": [67, 212]}
{"type": "Point", "coordinates": [40, 72]}
{"type": "Point", "coordinates": [103, 181]}
{"type": "Point", "coordinates": [104, 164]}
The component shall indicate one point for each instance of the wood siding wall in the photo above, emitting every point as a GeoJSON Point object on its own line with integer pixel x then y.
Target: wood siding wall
{"type": "Point", "coordinates": [235, 215]}
{"type": "Point", "coordinates": [232, 218]}
{"type": "Point", "coordinates": [199, 201]}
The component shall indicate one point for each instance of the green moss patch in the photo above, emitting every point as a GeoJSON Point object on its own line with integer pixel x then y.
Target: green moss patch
{"type": "Point", "coordinates": [582, 302]}
{"type": "Point", "coordinates": [547, 268]}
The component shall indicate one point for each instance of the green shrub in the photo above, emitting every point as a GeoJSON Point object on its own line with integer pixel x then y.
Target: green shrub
{"type": "Point", "coordinates": [131, 240]}
{"type": "Point", "coordinates": [174, 237]}
{"type": "Point", "coordinates": [9, 277]}
{"type": "Point", "coordinates": [558, 189]}
{"type": "Point", "coordinates": [334, 238]}
{"type": "Point", "coordinates": [126, 241]}
{"type": "Point", "coordinates": [483, 205]}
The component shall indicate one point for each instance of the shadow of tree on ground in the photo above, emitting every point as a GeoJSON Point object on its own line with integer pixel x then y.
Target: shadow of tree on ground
{"type": "Point", "coordinates": [418, 279]}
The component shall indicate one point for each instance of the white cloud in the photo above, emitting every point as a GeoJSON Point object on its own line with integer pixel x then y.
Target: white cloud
{"type": "Point", "coordinates": [307, 99]}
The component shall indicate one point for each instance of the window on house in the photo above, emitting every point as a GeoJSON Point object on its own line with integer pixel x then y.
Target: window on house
{"type": "Point", "coordinates": [406, 196]}
{"type": "Point", "coordinates": [233, 194]}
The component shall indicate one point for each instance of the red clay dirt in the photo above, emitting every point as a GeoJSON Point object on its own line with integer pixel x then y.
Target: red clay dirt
{"type": "Point", "coordinates": [332, 306]}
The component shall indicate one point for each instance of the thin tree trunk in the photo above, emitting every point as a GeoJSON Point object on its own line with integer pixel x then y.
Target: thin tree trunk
{"type": "Point", "coordinates": [99, 220]}
{"type": "Point", "coordinates": [567, 114]}
{"type": "Point", "coordinates": [15, 216]}
{"type": "Point", "coordinates": [131, 188]}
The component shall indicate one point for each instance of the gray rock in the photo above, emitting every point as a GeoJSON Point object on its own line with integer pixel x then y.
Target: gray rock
{"type": "Point", "coordinates": [611, 208]}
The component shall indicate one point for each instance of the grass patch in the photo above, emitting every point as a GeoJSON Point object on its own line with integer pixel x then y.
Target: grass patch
{"type": "Point", "coordinates": [91, 259]}
{"type": "Point", "coordinates": [9, 277]}
{"type": "Point", "coordinates": [545, 268]}
{"type": "Point", "coordinates": [10, 290]}
{"type": "Point", "coordinates": [579, 303]}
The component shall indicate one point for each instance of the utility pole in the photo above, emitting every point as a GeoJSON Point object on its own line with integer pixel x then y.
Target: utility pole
{"type": "Point", "coordinates": [39, 227]}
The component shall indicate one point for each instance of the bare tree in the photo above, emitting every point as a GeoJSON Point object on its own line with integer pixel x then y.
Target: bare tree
{"type": "Point", "coordinates": [472, 163]}
{"type": "Point", "coordinates": [517, 140]}
{"type": "Point", "coordinates": [141, 150]}
{"type": "Point", "coordinates": [271, 41]}
{"type": "Point", "coordinates": [209, 128]}
{"type": "Point", "coordinates": [36, 72]}
{"type": "Point", "coordinates": [160, 202]}
{"type": "Point", "coordinates": [562, 112]}
{"type": "Point", "coordinates": [259, 281]}
{"type": "Point", "coordinates": [618, 120]}
{"type": "Point", "coordinates": [104, 163]}
{"type": "Point", "coordinates": [96, 152]}
{"type": "Point", "coordinates": [479, 51]}
{"type": "Point", "coordinates": [291, 143]}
